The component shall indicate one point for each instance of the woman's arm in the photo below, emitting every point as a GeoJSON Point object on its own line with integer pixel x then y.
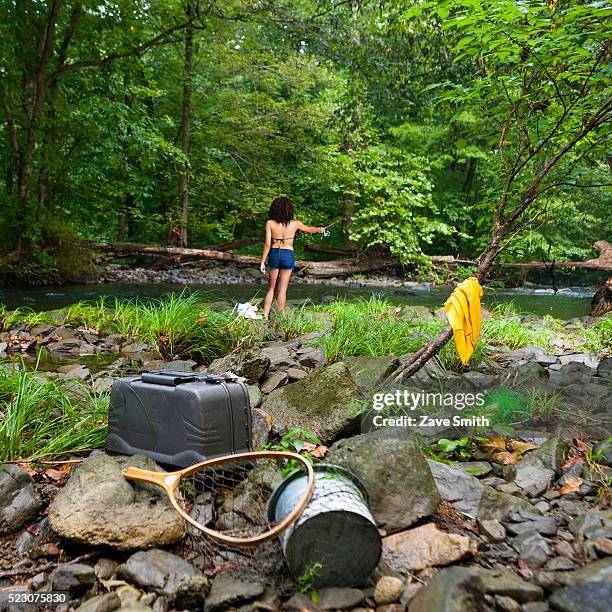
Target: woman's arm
{"type": "Point", "coordinates": [266, 249]}
{"type": "Point", "coordinates": [308, 229]}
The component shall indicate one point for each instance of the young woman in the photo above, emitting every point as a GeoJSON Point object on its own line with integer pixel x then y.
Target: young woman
{"type": "Point", "coordinates": [280, 232]}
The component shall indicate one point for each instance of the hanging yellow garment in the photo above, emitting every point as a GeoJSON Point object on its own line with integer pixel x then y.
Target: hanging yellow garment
{"type": "Point", "coordinates": [463, 313]}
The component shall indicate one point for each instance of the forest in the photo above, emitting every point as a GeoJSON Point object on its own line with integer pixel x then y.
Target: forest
{"type": "Point", "coordinates": [453, 127]}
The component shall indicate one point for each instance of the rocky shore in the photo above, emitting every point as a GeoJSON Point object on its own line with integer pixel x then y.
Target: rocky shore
{"type": "Point", "coordinates": [499, 522]}
{"type": "Point", "coordinates": [213, 273]}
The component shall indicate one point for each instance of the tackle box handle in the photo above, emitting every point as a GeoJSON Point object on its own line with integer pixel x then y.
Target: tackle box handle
{"type": "Point", "coordinates": [168, 378]}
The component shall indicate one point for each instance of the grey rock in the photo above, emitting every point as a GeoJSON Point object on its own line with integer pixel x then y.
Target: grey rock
{"type": "Point", "coordinates": [537, 468]}
{"type": "Point", "coordinates": [392, 468]}
{"type": "Point", "coordinates": [327, 402]}
{"type": "Point", "coordinates": [493, 530]}
{"type": "Point", "coordinates": [135, 347]}
{"type": "Point", "coordinates": [180, 365]}
{"type": "Point", "coordinates": [296, 374]}
{"type": "Point", "coordinates": [300, 602]}
{"type": "Point", "coordinates": [368, 372]}
{"type": "Point", "coordinates": [415, 313]}
{"type": "Point", "coordinates": [311, 357]}
{"type": "Point", "coordinates": [535, 606]}
{"type": "Point", "coordinates": [462, 490]}
{"type": "Point", "coordinates": [560, 564]}
{"type": "Point", "coordinates": [99, 507]}
{"type": "Point", "coordinates": [506, 583]}
{"type": "Point", "coordinates": [598, 571]}
{"type": "Point", "coordinates": [183, 584]}
{"type": "Point", "coordinates": [279, 356]}
{"type": "Point", "coordinates": [507, 604]}
{"type": "Point", "coordinates": [19, 500]}
{"type": "Point", "coordinates": [71, 348]}
{"type": "Point", "coordinates": [255, 396]}
{"type": "Point", "coordinates": [604, 368]}
{"type": "Point", "coordinates": [105, 568]}
{"type": "Point", "coordinates": [227, 592]}
{"type": "Point", "coordinates": [273, 380]}
{"type": "Point", "coordinates": [27, 541]}
{"type": "Point", "coordinates": [468, 495]}
{"type": "Point", "coordinates": [454, 589]}
{"type": "Point", "coordinates": [75, 370]}
{"type": "Point", "coordinates": [334, 598]}
{"type": "Point", "coordinates": [584, 521]}
{"type": "Point", "coordinates": [73, 577]}
{"type": "Point", "coordinates": [101, 603]}
{"type": "Point", "coordinates": [533, 549]}
{"type": "Point", "coordinates": [594, 597]}
{"type": "Point", "coordinates": [546, 525]}
{"type": "Point", "coordinates": [251, 365]}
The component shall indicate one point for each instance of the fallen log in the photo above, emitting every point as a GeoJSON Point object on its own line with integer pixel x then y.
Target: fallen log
{"type": "Point", "coordinates": [319, 269]}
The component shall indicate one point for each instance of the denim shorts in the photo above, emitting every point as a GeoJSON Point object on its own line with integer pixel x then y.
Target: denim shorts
{"type": "Point", "coordinates": [281, 259]}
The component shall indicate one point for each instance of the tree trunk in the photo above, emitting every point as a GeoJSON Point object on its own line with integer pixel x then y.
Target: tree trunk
{"type": "Point", "coordinates": [186, 128]}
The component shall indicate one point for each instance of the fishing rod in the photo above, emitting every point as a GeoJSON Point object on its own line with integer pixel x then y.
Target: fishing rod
{"type": "Point", "coordinates": [326, 231]}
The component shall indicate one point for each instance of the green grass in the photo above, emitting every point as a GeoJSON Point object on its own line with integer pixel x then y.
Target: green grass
{"type": "Point", "coordinates": [371, 327]}
{"type": "Point", "coordinates": [296, 322]}
{"type": "Point", "coordinates": [44, 417]}
{"type": "Point", "coordinates": [597, 336]}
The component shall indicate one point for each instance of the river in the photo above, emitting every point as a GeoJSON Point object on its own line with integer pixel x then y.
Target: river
{"type": "Point", "coordinates": [567, 303]}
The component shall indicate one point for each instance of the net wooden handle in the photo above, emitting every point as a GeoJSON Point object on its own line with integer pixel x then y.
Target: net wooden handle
{"type": "Point", "coordinates": [169, 482]}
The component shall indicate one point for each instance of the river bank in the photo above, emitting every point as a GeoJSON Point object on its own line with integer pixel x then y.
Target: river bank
{"type": "Point", "coordinates": [511, 514]}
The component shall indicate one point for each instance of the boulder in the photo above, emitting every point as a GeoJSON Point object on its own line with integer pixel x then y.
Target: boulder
{"type": "Point", "coordinates": [184, 585]}
{"type": "Point", "coordinates": [594, 597]}
{"type": "Point", "coordinates": [19, 500]}
{"type": "Point", "coordinates": [367, 371]}
{"type": "Point", "coordinates": [251, 365]}
{"type": "Point", "coordinates": [602, 451]}
{"type": "Point", "coordinates": [599, 571]}
{"type": "Point", "coordinates": [227, 592]}
{"type": "Point", "coordinates": [454, 589]}
{"type": "Point", "coordinates": [423, 547]}
{"type": "Point", "coordinates": [99, 507]}
{"type": "Point", "coordinates": [473, 498]}
{"type": "Point", "coordinates": [327, 403]}
{"type": "Point", "coordinates": [392, 468]}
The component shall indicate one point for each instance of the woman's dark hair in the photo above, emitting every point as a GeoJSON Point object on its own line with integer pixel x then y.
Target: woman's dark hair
{"type": "Point", "coordinates": [281, 210]}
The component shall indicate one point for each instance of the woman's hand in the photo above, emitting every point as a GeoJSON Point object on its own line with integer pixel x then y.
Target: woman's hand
{"type": "Point", "coordinates": [321, 230]}
{"type": "Point", "coordinates": [262, 267]}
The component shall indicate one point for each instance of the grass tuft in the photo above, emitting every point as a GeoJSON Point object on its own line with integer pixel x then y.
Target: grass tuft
{"type": "Point", "coordinates": [44, 417]}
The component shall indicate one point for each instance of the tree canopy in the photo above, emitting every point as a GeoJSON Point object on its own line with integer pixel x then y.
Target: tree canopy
{"type": "Point", "coordinates": [427, 126]}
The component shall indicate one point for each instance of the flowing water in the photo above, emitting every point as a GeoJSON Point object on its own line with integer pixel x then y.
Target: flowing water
{"type": "Point", "coordinates": [566, 303]}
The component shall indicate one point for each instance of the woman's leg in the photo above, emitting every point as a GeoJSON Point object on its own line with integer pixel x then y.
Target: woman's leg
{"type": "Point", "coordinates": [283, 282]}
{"type": "Point", "coordinates": [270, 295]}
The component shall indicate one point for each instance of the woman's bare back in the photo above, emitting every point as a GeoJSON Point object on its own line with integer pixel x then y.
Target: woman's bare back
{"type": "Point", "coordinates": [283, 235]}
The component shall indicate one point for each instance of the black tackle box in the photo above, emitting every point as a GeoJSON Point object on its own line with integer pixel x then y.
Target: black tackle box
{"type": "Point", "coordinates": [179, 418]}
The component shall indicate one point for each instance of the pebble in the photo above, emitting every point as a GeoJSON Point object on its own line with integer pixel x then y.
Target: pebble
{"type": "Point", "coordinates": [388, 590]}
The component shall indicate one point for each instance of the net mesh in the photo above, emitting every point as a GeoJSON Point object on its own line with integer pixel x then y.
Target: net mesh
{"type": "Point", "coordinates": [233, 499]}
